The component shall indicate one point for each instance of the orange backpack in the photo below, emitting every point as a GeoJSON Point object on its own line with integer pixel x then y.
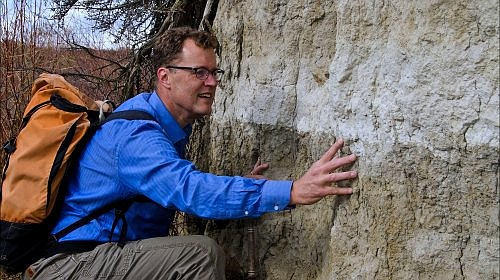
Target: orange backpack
{"type": "Point", "coordinates": [59, 116]}
{"type": "Point", "coordinates": [56, 121]}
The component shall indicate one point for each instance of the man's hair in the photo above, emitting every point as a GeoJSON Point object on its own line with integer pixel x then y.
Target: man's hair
{"type": "Point", "coordinates": [168, 46]}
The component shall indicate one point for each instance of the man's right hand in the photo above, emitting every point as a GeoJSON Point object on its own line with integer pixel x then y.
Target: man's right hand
{"type": "Point", "coordinates": [317, 182]}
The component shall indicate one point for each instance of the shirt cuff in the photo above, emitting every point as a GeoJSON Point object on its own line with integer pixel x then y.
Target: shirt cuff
{"type": "Point", "coordinates": [275, 195]}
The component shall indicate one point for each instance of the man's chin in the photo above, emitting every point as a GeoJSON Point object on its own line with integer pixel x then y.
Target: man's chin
{"type": "Point", "coordinates": [204, 113]}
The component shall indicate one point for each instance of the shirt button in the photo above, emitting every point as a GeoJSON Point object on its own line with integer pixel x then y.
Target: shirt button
{"type": "Point", "coordinates": [276, 207]}
{"type": "Point", "coordinates": [246, 212]}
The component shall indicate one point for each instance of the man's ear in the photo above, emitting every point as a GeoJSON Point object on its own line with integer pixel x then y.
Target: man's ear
{"type": "Point", "coordinates": [163, 77]}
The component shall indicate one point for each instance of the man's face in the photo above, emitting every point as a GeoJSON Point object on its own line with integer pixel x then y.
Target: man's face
{"type": "Point", "coordinates": [189, 97]}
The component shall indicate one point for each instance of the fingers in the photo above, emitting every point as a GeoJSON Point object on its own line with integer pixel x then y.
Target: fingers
{"type": "Point", "coordinates": [336, 163]}
{"type": "Point", "coordinates": [339, 191]}
{"type": "Point", "coordinates": [330, 154]}
{"type": "Point", "coordinates": [341, 176]}
{"type": "Point", "coordinates": [320, 179]}
{"type": "Point", "coordinates": [329, 162]}
{"type": "Point", "coordinates": [257, 163]}
{"type": "Point", "coordinates": [259, 168]}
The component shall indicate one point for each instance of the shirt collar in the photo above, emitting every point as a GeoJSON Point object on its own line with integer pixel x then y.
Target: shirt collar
{"type": "Point", "coordinates": [167, 121]}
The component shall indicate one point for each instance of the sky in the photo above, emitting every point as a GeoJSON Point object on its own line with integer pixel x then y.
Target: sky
{"type": "Point", "coordinates": [39, 10]}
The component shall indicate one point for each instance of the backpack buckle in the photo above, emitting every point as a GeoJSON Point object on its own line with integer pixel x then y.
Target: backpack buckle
{"type": "Point", "coordinates": [10, 146]}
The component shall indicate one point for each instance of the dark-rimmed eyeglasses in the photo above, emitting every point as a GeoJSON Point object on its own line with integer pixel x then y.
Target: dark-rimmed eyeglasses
{"type": "Point", "coordinates": [201, 72]}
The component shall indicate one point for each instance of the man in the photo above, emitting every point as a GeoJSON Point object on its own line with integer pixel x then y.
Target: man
{"type": "Point", "coordinates": [132, 158]}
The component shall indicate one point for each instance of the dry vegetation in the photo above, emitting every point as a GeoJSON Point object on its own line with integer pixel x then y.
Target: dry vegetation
{"type": "Point", "coordinates": [21, 64]}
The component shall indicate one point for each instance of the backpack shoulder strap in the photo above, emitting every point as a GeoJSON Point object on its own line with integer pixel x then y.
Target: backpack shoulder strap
{"type": "Point", "coordinates": [130, 115]}
{"type": "Point", "coordinates": [85, 220]}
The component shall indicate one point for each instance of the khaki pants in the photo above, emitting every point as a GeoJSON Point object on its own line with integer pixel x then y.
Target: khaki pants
{"type": "Point", "coordinates": [173, 257]}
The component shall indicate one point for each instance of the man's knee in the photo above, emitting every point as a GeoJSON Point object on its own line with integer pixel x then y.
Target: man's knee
{"type": "Point", "coordinates": [212, 261]}
{"type": "Point", "coordinates": [207, 241]}
{"type": "Point", "coordinates": [210, 244]}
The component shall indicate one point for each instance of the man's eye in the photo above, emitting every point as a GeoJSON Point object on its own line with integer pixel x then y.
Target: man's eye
{"type": "Point", "coordinates": [202, 72]}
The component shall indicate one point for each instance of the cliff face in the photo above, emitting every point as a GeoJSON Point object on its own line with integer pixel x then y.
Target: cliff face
{"type": "Point", "coordinates": [412, 87]}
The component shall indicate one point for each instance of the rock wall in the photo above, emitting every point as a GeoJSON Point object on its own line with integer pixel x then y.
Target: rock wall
{"type": "Point", "coordinates": [412, 86]}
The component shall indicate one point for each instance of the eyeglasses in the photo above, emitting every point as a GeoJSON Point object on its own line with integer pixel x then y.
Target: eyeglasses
{"type": "Point", "coordinates": [201, 72]}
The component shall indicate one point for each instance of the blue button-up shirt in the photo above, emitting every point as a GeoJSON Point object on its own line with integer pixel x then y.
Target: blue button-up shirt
{"type": "Point", "coordinates": [125, 159]}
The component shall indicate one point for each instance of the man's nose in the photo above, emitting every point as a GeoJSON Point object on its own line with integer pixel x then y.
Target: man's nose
{"type": "Point", "coordinates": [211, 81]}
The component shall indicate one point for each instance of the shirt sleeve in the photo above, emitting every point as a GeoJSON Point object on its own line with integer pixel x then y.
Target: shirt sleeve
{"type": "Point", "coordinates": [148, 164]}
